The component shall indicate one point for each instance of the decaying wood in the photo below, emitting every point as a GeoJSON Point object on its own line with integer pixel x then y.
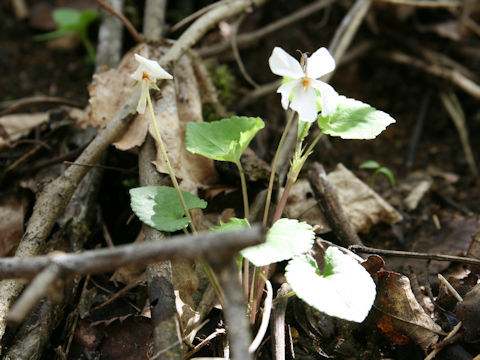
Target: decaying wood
{"type": "Point", "coordinates": [328, 202]}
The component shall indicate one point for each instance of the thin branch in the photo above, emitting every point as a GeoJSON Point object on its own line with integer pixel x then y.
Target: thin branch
{"type": "Point", "coordinates": [205, 23]}
{"type": "Point", "coordinates": [414, 255]}
{"type": "Point", "coordinates": [33, 100]}
{"type": "Point", "coordinates": [213, 247]}
{"type": "Point", "coordinates": [425, 3]}
{"type": "Point", "coordinates": [328, 202]}
{"type": "Point", "coordinates": [196, 15]}
{"type": "Point", "coordinates": [452, 75]}
{"type": "Point", "coordinates": [234, 310]}
{"type": "Point", "coordinates": [32, 295]}
{"type": "Point", "coordinates": [131, 29]}
{"type": "Point", "coordinates": [246, 39]}
{"type": "Point", "coordinates": [346, 31]}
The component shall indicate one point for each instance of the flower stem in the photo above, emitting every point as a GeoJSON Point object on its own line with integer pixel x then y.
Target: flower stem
{"type": "Point", "coordinates": [283, 200]}
{"type": "Point", "coordinates": [244, 190]}
{"type": "Point", "coordinates": [169, 167]}
{"type": "Point", "coordinates": [274, 169]}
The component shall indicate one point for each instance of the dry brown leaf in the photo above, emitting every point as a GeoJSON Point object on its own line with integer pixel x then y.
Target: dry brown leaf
{"type": "Point", "coordinates": [15, 126]}
{"type": "Point", "coordinates": [400, 315]}
{"type": "Point", "coordinates": [174, 110]}
{"type": "Point", "coordinates": [12, 213]}
{"type": "Point", "coordinates": [363, 206]}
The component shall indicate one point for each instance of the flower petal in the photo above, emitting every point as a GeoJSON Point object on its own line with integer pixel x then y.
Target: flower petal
{"type": "Point", "coordinates": [152, 68]}
{"type": "Point", "coordinates": [137, 75]}
{"type": "Point", "coordinates": [304, 102]}
{"type": "Point", "coordinates": [329, 97]}
{"type": "Point", "coordinates": [284, 64]}
{"type": "Point", "coordinates": [320, 63]}
{"type": "Point", "coordinates": [286, 91]}
{"type": "Point", "coordinates": [142, 102]}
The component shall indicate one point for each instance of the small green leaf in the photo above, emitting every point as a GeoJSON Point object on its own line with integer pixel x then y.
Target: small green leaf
{"type": "Point", "coordinates": [223, 140]}
{"type": "Point", "coordinates": [353, 119]}
{"type": "Point", "coordinates": [74, 19]}
{"type": "Point", "coordinates": [370, 164]}
{"type": "Point", "coordinates": [160, 207]}
{"type": "Point", "coordinates": [65, 17]}
{"type": "Point", "coordinates": [345, 290]}
{"type": "Point", "coordinates": [285, 239]}
{"type": "Point", "coordinates": [232, 225]}
{"type": "Point", "coordinates": [386, 171]}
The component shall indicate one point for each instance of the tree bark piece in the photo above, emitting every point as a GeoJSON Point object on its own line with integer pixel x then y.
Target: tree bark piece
{"type": "Point", "coordinates": [327, 200]}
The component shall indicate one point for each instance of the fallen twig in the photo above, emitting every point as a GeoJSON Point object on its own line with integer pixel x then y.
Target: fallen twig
{"type": "Point", "coordinates": [414, 255]}
{"type": "Point", "coordinates": [246, 39]}
{"type": "Point", "coordinates": [213, 247]}
{"type": "Point", "coordinates": [425, 3]}
{"type": "Point", "coordinates": [452, 75]}
{"type": "Point", "coordinates": [329, 204]}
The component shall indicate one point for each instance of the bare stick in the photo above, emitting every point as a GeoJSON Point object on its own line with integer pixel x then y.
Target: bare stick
{"type": "Point", "coordinates": [110, 36]}
{"type": "Point", "coordinates": [196, 15]}
{"type": "Point", "coordinates": [213, 247]}
{"type": "Point", "coordinates": [425, 3]}
{"type": "Point", "coordinates": [414, 255]}
{"type": "Point", "coordinates": [205, 23]}
{"type": "Point", "coordinates": [246, 39]}
{"type": "Point", "coordinates": [452, 75]}
{"type": "Point", "coordinates": [332, 210]}
{"type": "Point", "coordinates": [235, 310]}
{"type": "Point", "coordinates": [346, 31]}
{"type": "Point", "coordinates": [33, 293]}
{"type": "Point", "coordinates": [454, 109]}
{"type": "Point", "coordinates": [278, 322]}
{"type": "Point", "coordinates": [154, 19]}
{"type": "Point", "coordinates": [131, 29]}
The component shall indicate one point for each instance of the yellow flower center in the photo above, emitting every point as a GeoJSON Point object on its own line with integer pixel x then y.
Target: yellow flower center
{"type": "Point", "coordinates": [145, 76]}
{"type": "Point", "coordinates": [305, 82]}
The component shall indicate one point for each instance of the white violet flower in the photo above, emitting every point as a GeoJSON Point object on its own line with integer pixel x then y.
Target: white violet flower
{"type": "Point", "coordinates": [147, 73]}
{"type": "Point", "coordinates": [302, 84]}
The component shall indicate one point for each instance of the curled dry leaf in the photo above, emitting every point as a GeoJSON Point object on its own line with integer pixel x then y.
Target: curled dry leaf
{"type": "Point", "coordinates": [400, 316]}
{"type": "Point", "coordinates": [363, 206]}
{"type": "Point", "coordinates": [16, 126]}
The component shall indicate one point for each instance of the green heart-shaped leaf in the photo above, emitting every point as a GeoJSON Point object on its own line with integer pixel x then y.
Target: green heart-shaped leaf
{"type": "Point", "coordinates": [223, 140]}
{"type": "Point", "coordinates": [353, 119]}
{"type": "Point", "coordinates": [160, 207]}
{"type": "Point", "coordinates": [232, 225]}
{"type": "Point", "coordinates": [345, 289]}
{"type": "Point", "coordinates": [285, 239]}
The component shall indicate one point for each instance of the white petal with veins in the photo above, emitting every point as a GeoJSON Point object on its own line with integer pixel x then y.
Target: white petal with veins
{"type": "Point", "coordinates": [283, 64]}
{"type": "Point", "coordinates": [286, 90]}
{"type": "Point", "coordinates": [320, 63]}
{"type": "Point", "coordinates": [329, 99]}
{"type": "Point", "coordinates": [304, 102]}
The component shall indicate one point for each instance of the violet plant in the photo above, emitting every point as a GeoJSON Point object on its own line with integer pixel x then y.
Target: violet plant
{"type": "Point", "coordinates": [344, 288]}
